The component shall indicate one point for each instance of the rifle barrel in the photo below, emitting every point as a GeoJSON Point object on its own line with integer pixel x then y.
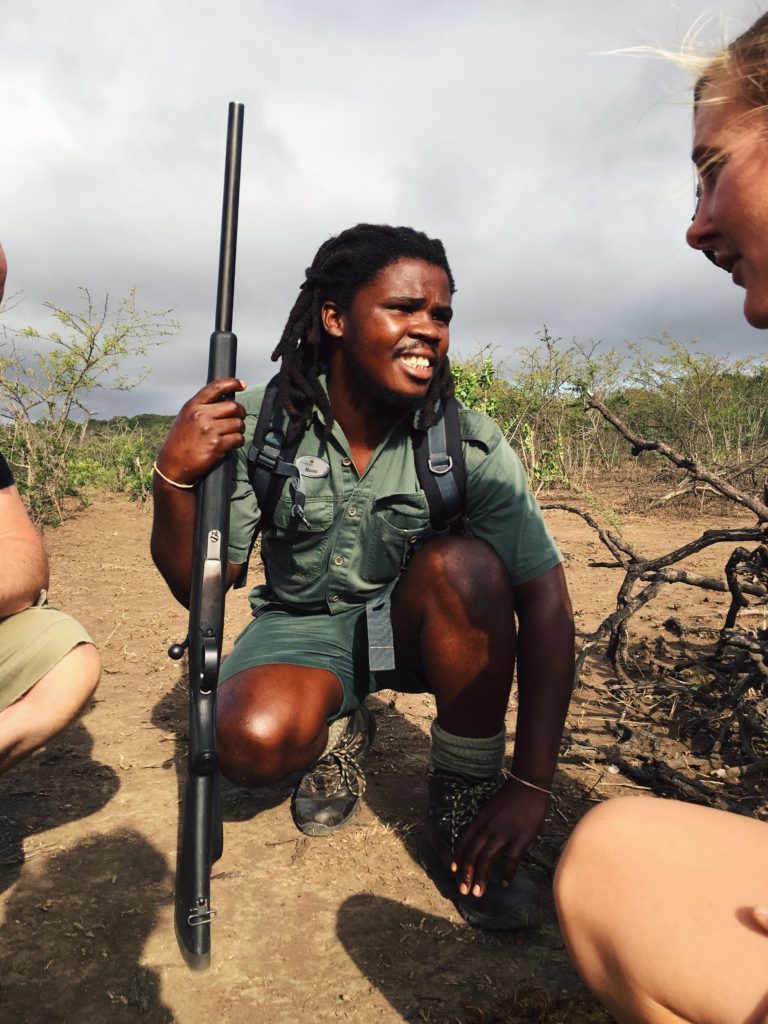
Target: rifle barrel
{"type": "Point", "coordinates": [226, 290]}
{"type": "Point", "coordinates": [201, 839]}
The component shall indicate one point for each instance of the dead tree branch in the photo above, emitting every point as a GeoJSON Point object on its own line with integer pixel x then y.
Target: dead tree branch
{"type": "Point", "coordinates": [718, 692]}
{"type": "Point", "coordinates": [686, 462]}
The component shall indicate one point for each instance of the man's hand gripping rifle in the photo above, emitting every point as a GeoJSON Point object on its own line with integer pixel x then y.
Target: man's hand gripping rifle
{"type": "Point", "coordinates": [202, 838]}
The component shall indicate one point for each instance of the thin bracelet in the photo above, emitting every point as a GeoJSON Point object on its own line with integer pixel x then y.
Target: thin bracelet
{"type": "Point", "coordinates": [173, 483]}
{"type": "Point", "coordinates": [530, 785]}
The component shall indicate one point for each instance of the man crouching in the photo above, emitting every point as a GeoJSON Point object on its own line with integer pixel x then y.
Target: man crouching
{"type": "Point", "coordinates": [361, 593]}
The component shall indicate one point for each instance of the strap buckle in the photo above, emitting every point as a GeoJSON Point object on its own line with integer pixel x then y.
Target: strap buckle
{"type": "Point", "coordinates": [438, 466]}
{"type": "Point", "coordinates": [263, 459]}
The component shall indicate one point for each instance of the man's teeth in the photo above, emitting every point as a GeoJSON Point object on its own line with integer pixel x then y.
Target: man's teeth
{"type": "Point", "coordinates": [420, 361]}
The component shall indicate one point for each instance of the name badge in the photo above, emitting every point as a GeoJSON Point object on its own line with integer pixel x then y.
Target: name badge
{"type": "Point", "coordinates": [312, 467]}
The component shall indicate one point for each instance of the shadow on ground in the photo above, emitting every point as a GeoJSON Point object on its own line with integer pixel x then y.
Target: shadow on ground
{"type": "Point", "coordinates": [380, 935]}
{"type": "Point", "coordinates": [56, 786]}
{"type": "Point", "coordinates": [74, 933]}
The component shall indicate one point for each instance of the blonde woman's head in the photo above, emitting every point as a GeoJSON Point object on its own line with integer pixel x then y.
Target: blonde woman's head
{"type": "Point", "coordinates": [730, 154]}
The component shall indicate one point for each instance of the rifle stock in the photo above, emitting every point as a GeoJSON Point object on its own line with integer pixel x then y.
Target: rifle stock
{"type": "Point", "coordinates": [201, 836]}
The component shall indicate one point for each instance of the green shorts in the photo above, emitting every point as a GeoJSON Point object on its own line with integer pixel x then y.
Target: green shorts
{"type": "Point", "coordinates": [31, 643]}
{"type": "Point", "coordinates": [277, 635]}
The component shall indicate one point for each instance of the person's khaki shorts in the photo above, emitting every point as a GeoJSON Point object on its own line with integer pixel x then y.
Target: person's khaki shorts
{"type": "Point", "coordinates": [31, 643]}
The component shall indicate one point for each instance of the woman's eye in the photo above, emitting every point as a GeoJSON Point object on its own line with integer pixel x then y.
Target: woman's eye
{"type": "Point", "coordinates": [707, 174]}
{"type": "Point", "coordinates": [709, 171]}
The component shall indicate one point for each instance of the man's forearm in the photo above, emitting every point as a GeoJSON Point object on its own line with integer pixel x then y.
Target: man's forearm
{"type": "Point", "coordinates": [545, 668]}
{"type": "Point", "coordinates": [173, 528]}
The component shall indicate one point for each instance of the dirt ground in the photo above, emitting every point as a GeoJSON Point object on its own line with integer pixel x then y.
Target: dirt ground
{"type": "Point", "coordinates": [346, 928]}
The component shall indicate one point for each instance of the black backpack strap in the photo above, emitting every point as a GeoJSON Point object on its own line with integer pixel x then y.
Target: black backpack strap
{"type": "Point", "coordinates": [440, 468]}
{"type": "Point", "coordinates": [270, 458]}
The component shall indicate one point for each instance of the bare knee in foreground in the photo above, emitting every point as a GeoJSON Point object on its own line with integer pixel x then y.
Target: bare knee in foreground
{"type": "Point", "coordinates": [50, 705]}
{"type": "Point", "coordinates": [654, 902]}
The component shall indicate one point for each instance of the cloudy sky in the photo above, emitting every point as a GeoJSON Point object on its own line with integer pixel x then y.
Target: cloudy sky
{"type": "Point", "coordinates": [555, 171]}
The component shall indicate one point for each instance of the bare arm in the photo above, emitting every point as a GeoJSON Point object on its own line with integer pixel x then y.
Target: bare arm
{"type": "Point", "coordinates": [545, 667]}
{"type": "Point", "coordinates": [203, 433]}
{"type": "Point", "coordinates": [22, 556]}
{"type": "Point", "coordinates": [512, 818]}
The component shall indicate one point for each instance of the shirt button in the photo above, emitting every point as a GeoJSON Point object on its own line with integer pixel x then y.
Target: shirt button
{"type": "Point", "coordinates": [352, 510]}
{"type": "Point", "coordinates": [346, 462]}
{"type": "Point", "coordinates": [334, 598]}
{"type": "Point", "coordinates": [338, 560]}
{"type": "Point", "coordinates": [412, 540]}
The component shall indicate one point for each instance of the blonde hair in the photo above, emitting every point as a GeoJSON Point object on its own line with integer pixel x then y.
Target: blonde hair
{"type": "Point", "coordinates": [739, 71]}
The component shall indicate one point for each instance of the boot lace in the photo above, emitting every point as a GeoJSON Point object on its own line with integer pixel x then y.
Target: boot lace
{"type": "Point", "coordinates": [335, 771]}
{"type": "Point", "coordinates": [466, 799]}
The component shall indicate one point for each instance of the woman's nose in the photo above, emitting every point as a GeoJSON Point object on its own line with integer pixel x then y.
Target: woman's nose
{"type": "Point", "coordinates": [701, 233]}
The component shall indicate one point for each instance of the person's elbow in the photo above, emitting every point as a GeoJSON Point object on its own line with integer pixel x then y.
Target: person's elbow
{"type": "Point", "coordinates": [178, 587]}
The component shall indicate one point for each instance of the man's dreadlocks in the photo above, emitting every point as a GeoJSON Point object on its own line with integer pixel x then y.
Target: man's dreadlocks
{"type": "Point", "coordinates": [341, 267]}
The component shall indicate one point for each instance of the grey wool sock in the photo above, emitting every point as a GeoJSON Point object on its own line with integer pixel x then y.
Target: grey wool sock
{"type": "Point", "coordinates": [478, 758]}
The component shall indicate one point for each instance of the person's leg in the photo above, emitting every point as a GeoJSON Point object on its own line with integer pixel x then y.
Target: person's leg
{"type": "Point", "coordinates": [273, 716]}
{"type": "Point", "coordinates": [655, 898]}
{"type": "Point", "coordinates": [271, 721]}
{"type": "Point", "coordinates": [50, 705]}
{"type": "Point", "coordinates": [454, 625]}
{"type": "Point", "coordinates": [453, 621]}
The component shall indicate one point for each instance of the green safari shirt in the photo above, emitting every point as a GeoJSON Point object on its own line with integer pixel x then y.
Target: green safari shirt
{"type": "Point", "coordinates": [362, 528]}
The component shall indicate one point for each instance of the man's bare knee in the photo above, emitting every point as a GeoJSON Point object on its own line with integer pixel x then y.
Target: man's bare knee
{"type": "Point", "coordinates": [458, 568]}
{"type": "Point", "coordinates": [259, 745]}
{"type": "Point", "coordinates": [270, 721]}
{"type": "Point", "coordinates": [65, 690]}
{"type": "Point", "coordinates": [83, 666]}
{"type": "Point", "coordinates": [50, 705]}
{"type": "Point", "coordinates": [249, 749]}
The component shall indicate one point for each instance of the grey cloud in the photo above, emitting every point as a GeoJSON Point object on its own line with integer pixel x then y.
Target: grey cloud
{"type": "Point", "coordinates": [557, 177]}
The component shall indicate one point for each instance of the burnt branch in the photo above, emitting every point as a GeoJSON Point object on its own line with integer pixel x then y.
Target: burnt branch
{"type": "Point", "coordinates": [694, 579]}
{"type": "Point", "coordinates": [619, 548]}
{"type": "Point", "coordinates": [685, 462]}
{"type": "Point", "coordinates": [706, 685]}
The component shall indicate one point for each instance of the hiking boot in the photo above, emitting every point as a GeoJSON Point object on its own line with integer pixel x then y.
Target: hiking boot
{"type": "Point", "coordinates": [328, 796]}
{"type": "Point", "coordinates": [454, 802]}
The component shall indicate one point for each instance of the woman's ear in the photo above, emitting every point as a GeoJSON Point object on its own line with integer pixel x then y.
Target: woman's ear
{"type": "Point", "coordinates": [332, 318]}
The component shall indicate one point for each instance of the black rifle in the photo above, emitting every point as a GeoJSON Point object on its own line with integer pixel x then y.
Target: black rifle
{"type": "Point", "coordinates": [201, 839]}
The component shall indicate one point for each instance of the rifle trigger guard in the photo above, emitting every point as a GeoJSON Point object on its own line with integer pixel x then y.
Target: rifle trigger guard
{"type": "Point", "coordinates": [210, 664]}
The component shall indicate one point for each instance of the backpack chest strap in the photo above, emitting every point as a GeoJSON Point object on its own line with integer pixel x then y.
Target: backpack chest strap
{"type": "Point", "coordinates": [440, 468]}
{"type": "Point", "coordinates": [270, 459]}
{"type": "Point", "coordinates": [440, 464]}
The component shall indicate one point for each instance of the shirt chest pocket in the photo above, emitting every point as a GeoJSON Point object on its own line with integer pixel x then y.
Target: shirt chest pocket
{"type": "Point", "coordinates": [293, 548]}
{"type": "Point", "coordinates": [398, 523]}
